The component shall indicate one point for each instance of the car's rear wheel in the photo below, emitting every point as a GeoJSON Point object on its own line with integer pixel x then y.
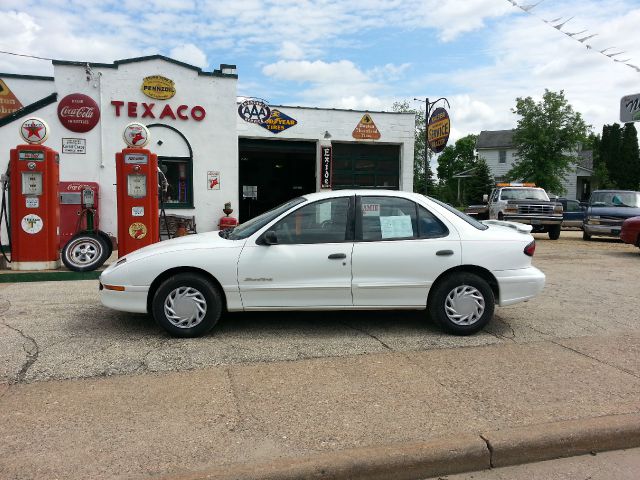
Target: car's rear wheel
{"type": "Point", "coordinates": [187, 305]}
{"type": "Point", "coordinates": [554, 232]}
{"type": "Point", "coordinates": [462, 303]}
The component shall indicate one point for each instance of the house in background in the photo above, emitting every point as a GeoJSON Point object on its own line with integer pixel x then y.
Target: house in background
{"type": "Point", "coordinates": [497, 149]}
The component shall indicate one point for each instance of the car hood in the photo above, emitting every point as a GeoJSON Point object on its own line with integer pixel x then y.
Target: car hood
{"type": "Point", "coordinates": [201, 240]}
{"type": "Point", "coordinates": [620, 212]}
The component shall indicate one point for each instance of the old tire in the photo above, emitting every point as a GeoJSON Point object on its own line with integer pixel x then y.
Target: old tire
{"type": "Point", "coordinates": [462, 303]}
{"type": "Point", "coordinates": [585, 236]}
{"type": "Point", "coordinates": [85, 252]}
{"type": "Point", "coordinates": [554, 232]}
{"type": "Point", "coordinates": [186, 305]}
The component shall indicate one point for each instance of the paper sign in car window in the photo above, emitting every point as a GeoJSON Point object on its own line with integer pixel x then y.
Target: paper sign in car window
{"type": "Point", "coordinates": [396, 226]}
{"type": "Point", "coordinates": [323, 212]}
{"type": "Point", "coordinates": [370, 209]}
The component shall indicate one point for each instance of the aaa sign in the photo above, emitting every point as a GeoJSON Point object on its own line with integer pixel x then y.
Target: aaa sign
{"type": "Point", "coordinates": [438, 130]}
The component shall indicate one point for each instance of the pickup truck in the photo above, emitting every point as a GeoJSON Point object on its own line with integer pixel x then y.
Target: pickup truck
{"type": "Point", "coordinates": [525, 203]}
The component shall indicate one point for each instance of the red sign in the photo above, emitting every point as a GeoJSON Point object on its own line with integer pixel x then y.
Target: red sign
{"type": "Point", "coordinates": [78, 112]}
{"type": "Point", "coordinates": [146, 110]}
{"type": "Point", "coordinates": [366, 129]}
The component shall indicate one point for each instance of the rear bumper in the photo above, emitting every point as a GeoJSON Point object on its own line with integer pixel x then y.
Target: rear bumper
{"type": "Point", "coordinates": [519, 285]}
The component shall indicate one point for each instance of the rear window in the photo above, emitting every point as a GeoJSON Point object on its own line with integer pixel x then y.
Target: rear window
{"type": "Point", "coordinates": [470, 220]}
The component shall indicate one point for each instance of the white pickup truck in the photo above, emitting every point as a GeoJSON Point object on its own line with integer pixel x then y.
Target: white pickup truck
{"type": "Point", "coordinates": [525, 203]}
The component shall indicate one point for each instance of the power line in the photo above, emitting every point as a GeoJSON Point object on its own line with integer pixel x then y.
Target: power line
{"type": "Point", "coordinates": [24, 55]}
{"type": "Point", "coordinates": [573, 35]}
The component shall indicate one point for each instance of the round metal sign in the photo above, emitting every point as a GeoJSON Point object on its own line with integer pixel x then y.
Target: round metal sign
{"type": "Point", "coordinates": [136, 135]}
{"type": "Point", "coordinates": [438, 130]}
{"type": "Point", "coordinates": [34, 130]}
{"type": "Point", "coordinates": [254, 111]}
{"type": "Point", "coordinates": [31, 223]}
{"type": "Point", "coordinates": [78, 112]}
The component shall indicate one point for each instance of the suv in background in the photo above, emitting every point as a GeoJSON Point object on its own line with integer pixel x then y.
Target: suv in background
{"type": "Point", "coordinates": [525, 203]}
{"type": "Point", "coordinates": [607, 210]}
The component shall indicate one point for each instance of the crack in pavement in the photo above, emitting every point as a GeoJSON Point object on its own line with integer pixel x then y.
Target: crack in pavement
{"type": "Point", "coordinates": [368, 334]}
{"type": "Point", "coordinates": [236, 402]}
{"type": "Point", "coordinates": [31, 354]}
{"type": "Point", "coordinates": [624, 370]}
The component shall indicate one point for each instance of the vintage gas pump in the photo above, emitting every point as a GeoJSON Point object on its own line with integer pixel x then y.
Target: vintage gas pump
{"type": "Point", "coordinates": [137, 185]}
{"type": "Point", "coordinates": [34, 210]}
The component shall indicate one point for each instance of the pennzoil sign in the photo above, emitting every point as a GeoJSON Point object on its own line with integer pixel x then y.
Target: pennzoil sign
{"type": "Point", "coordinates": [438, 130]}
{"type": "Point", "coordinates": [158, 87]}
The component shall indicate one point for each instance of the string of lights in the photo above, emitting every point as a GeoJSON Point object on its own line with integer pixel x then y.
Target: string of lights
{"type": "Point", "coordinates": [582, 36]}
{"type": "Point", "coordinates": [24, 55]}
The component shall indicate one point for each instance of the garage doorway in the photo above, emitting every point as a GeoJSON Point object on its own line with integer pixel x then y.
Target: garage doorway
{"type": "Point", "coordinates": [272, 172]}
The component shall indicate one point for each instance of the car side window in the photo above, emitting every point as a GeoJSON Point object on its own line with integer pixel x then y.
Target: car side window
{"type": "Point", "coordinates": [429, 226]}
{"type": "Point", "coordinates": [573, 206]}
{"type": "Point", "coordinates": [387, 218]}
{"type": "Point", "coordinates": [325, 221]}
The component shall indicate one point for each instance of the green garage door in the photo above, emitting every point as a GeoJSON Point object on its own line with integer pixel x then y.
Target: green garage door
{"type": "Point", "coordinates": [366, 166]}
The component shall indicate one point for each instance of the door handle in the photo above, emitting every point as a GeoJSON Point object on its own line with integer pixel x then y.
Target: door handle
{"type": "Point", "coordinates": [337, 256]}
{"type": "Point", "coordinates": [444, 253]}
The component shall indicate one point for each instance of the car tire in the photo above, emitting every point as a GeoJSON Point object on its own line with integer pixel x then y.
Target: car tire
{"type": "Point", "coordinates": [86, 251]}
{"type": "Point", "coordinates": [585, 236]}
{"type": "Point", "coordinates": [187, 305]}
{"type": "Point", "coordinates": [554, 232]}
{"type": "Point", "coordinates": [462, 303]}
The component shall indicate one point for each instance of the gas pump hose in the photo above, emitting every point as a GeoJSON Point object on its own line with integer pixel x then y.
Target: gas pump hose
{"type": "Point", "coordinates": [4, 214]}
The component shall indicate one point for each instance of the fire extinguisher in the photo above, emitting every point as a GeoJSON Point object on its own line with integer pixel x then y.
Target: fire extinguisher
{"type": "Point", "coordinates": [227, 221]}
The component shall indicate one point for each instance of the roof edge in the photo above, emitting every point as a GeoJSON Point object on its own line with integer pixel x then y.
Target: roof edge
{"type": "Point", "coordinates": [26, 77]}
{"type": "Point", "coordinates": [24, 111]}
{"type": "Point", "coordinates": [117, 63]}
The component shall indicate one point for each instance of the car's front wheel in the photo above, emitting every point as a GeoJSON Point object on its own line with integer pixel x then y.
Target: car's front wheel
{"type": "Point", "coordinates": [462, 303]}
{"type": "Point", "coordinates": [554, 232]}
{"type": "Point", "coordinates": [187, 305]}
{"type": "Point", "coordinates": [585, 235]}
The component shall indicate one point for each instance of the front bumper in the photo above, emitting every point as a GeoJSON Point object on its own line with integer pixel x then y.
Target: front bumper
{"type": "Point", "coordinates": [602, 230]}
{"type": "Point", "coordinates": [132, 299]}
{"type": "Point", "coordinates": [519, 285]}
{"type": "Point", "coordinates": [530, 220]}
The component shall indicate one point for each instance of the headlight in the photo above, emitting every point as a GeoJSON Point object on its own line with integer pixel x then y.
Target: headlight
{"type": "Point", "coordinates": [558, 208]}
{"type": "Point", "coordinates": [511, 210]}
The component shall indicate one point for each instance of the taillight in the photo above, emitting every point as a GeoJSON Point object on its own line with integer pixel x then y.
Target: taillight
{"type": "Point", "coordinates": [530, 249]}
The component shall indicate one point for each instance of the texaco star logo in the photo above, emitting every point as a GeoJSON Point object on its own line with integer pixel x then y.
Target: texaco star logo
{"type": "Point", "coordinates": [34, 130]}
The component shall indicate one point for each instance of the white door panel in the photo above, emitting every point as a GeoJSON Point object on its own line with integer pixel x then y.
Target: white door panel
{"type": "Point", "coordinates": [296, 275]}
{"type": "Point", "coordinates": [400, 273]}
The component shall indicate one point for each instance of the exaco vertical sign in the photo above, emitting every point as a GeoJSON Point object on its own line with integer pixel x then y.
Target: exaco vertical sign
{"type": "Point", "coordinates": [438, 130]}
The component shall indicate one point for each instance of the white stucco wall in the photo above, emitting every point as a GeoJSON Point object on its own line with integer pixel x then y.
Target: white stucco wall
{"type": "Point", "coordinates": [395, 128]}
{"type": "Point", "coordinates": [492, 157]}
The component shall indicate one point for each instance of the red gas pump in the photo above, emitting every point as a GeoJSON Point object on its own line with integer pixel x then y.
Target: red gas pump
{"type": "Point", "coordinates": [137, 185]}
{"type": "Point", "coordinates": [35, 212]}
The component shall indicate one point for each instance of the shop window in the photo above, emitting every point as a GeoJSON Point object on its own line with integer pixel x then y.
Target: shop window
{"type": "Point", "coordinates": [366, 166]}
{"type": "Point", "coordinates": [180, 179]}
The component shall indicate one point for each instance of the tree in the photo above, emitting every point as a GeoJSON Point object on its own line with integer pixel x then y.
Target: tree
{"type": "Point", "coordinates": [610, 155]}
{"type": "Point", "coordinates": [546, 137]}
{"type": "Point", "coordinates": [600, 171]}
{"type": "Point", "coordinates": [455, 159]}
{"type": "Point", "coordinates": [482, 182]}
{"type": "Point", "coordinates": [421, 177]}
{"type": "Point", "coordinates": [629, 159]}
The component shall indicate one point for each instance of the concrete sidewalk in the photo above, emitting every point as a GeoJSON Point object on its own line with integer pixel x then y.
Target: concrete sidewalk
{"type": "Point", "coordinates": [392, 415]}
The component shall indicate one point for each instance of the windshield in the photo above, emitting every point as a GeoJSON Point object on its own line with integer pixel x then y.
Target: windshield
{"type": "Point", "coordinates": [470, 220]}
{"type": "Point", "coordinates": [250, 227]}
{"type": "Point", "coordinates": [523, 194]}
{"type": "Point", "coordinates": [615, 199]}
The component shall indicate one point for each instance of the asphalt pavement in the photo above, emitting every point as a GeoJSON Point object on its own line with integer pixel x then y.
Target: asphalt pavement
{"type": "Point", "coordinates": [90, 393]}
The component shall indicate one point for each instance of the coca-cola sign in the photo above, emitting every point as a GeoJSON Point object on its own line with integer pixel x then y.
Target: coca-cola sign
{"type": "Point", "coordinates": [78, 112]}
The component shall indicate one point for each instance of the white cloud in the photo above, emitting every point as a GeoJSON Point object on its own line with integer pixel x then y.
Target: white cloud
{"type": "Point", "coordinates": [190, 54]}
{"type": "Point", "coordinates": [291, 51]}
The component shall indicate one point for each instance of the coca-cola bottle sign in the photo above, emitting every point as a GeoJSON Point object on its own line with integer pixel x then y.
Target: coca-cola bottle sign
{"type": "Point", "coordinates": [78, 112]}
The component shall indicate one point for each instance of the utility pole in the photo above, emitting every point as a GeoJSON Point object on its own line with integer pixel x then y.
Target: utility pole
{"type": "Point", "coordinates": [427, 154]}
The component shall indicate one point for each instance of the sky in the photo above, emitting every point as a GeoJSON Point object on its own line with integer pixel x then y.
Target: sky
{"type": "Point", "coordinates": [359, 54]}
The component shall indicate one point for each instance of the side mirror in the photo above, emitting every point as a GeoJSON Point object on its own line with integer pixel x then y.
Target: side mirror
{"type": "Point", "coordinates": [485, 198]}
{"type": "Point", "coordinates": [269, 238]}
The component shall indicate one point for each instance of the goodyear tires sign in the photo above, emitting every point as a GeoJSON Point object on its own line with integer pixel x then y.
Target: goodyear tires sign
{"type": "Point", "coordinates": [438, 130]}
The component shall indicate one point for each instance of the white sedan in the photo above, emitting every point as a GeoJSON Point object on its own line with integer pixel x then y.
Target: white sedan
{"type": "Point", "coordinates": [340, 250]}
